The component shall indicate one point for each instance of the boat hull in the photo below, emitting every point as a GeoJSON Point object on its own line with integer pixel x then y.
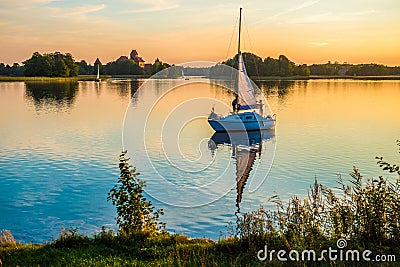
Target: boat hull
{"type": "Point", "coordinates": [223, 125]}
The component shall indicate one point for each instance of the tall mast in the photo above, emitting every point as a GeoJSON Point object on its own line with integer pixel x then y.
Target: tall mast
{"type": "Point", "coordinates": [240, 28]}
{"type": "Point", "coordinates": [235, 109]}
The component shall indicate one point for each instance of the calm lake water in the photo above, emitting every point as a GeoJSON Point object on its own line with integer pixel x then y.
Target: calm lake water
{"type": "Point", "coordinates": [60, 142]}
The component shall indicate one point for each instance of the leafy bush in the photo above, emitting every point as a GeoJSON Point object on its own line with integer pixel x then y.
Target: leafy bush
{"type": "Point", "coordinates": [135, 213]}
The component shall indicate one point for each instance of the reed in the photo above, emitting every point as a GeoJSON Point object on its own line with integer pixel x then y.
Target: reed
{"type": "Point", "coordinates": [7, 239]}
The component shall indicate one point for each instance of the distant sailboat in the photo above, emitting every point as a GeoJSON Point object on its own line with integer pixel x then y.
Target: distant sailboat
{"type": "Point", "coordinates": [98, 74]}
{"type": "Point", "coordinates": [245, 100]}
{"type": "Point", "coordinates": [183, 76]}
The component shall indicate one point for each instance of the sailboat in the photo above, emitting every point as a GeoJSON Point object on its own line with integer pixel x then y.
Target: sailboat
{"type": "Point", "coordinates": [244, 116]}
{"type": "Point", "coordinates": [184, 77]}
{"type": "Point", "coordinates": [98, 74]}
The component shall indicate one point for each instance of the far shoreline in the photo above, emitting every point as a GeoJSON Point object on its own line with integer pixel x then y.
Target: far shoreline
{"type": "Point", "coordinates": [326, 77]}
{"type": "Point", "coordinates": [259, 78]}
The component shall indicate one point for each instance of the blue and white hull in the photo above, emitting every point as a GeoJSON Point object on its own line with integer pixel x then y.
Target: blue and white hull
{"type": "Point", "coordinates": [247, 121]}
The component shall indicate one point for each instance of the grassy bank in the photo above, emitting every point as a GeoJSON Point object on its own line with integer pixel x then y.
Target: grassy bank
{"type": "Point", "coordinates": [144, 76]}
{"type": "Point", "coordinates": [174, 250]}
{"type": "Point", "coordinates": [50, 79]}
{"type": "Point", "coordinates": [136, 250]}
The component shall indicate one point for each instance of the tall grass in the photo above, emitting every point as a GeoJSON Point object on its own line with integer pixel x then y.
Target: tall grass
{"type": "Point", "coordinates": [7, 239]}
{"type": "Point", "coordinates": [366, 212]}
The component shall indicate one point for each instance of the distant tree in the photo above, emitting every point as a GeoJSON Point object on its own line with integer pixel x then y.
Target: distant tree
{"type": "Point", "coordinates": [3, 69]}
{"type": "Point", "coordinates": [37, 65]}
{"type": "Point", "coordinates": [72, 66]}
{"type": "Point", "coordinates": [325, 69]}
{"type": "Point", "coordinates": [58, 66]}
{"type": "Point", "coordinates": [271, 67]}
{"type": "Point", "coordinates": [158, 66]}
{"type": "Point", "coordinates": [51, 65]}
{"type": "Point", "coordinates": [14, 70]}
{"type": "Point", "coordinates": [282, 66]}
{"type": "Point", "coordinates": [303, 70]}
{"type": "Point", "coordinates": [128, 67]}
{"type": "Point", "coordinates": [84, 68]}
{"type": "Point", "coordinates": [286, 67]}
{"type": "Point", "coordinates": [370, 70]}
{"type": "Point", "coordinates": [254, 63]}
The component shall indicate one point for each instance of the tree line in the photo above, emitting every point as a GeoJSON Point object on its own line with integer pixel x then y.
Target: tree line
{"type": "Point", "coordinates": [282, 66]}
{"type": "Point", "coordinates": [63, 65]}
{"type": "Point", "coordinates": [337, 69]}
{"type": "Point", "coordinates": [51, 65]}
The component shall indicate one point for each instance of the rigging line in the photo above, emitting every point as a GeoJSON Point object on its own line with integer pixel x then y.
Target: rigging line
{"type": "Point", "coordinates": [230, 43]}
{"type": "Point", "coordinates": [251, 47]}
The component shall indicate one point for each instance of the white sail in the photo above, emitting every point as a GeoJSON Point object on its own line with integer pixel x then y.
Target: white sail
{"type": "Point", "coordinates": [246, 100]}
{"type": "Point", "coordinates": [98, 72]}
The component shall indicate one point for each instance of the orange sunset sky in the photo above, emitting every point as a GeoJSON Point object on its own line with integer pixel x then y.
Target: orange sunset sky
{"type": "Point", "coordinates": [177, 31]}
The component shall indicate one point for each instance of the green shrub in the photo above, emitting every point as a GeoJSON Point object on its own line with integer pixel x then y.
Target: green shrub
{"type": "Point", "coordinates": [135, 213]}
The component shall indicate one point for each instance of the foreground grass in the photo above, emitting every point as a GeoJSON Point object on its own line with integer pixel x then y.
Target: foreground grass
{"type": "Point", "coordinates": [137, 250]}
{"type": "Point", "coordinates": [165, 250]}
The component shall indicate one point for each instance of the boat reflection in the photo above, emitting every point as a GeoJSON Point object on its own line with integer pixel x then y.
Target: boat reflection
{"type": "Point", "coordinates": [245, 147]}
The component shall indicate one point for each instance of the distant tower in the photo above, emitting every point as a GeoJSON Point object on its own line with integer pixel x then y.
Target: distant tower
{"type": "Point", "coordinates": [97, 62]}
{"type": "Point", "coordinates": [134, 54]}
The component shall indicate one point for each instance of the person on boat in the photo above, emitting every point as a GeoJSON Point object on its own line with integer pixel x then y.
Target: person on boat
{"type": "Point", "coordinates": [213, 115]}
{"type": "Point", "coordinates": [234, 105]}
{"type": "Point", "coordinates": [261, 110]}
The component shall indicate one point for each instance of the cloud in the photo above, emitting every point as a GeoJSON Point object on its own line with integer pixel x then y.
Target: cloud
{"type": "Point", "coordinates": [318, 43]}
{"type": "Point", "coordinates": [153, 6]}
{"type": "Point", "coordinates": [81, 10]}
{"type": "Point", "coordinates": [24, 4]}
{"type": "Point", "coordinates": [290, 10]}
{"type": "Point", "coordinates": [332, 17]}
{"type": "Point", "coordinates": [298, 7]}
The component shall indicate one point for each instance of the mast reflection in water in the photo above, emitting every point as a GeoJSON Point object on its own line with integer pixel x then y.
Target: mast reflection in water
{"type": "Point", "coordinates": [245, 148]}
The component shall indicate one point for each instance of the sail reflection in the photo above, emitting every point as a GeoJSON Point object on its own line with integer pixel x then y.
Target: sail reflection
{"type": "Point", "coordinates": [246, 147]}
